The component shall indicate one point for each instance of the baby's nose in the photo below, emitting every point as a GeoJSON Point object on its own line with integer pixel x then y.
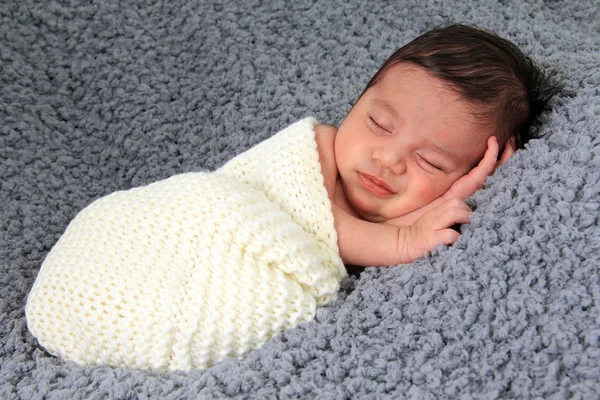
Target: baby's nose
{"type": "Point", "coordinates": [391, 159]}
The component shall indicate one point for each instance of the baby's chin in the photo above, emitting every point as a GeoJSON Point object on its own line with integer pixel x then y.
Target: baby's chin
{"type": "Point", "coordinates": [403, 217]}
{"type": "Point", "coordinates": [366, 210]}
{"type": "Point", "coordinates": [368, 215]}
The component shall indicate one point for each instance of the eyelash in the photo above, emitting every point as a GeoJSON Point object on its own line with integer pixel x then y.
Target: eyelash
{"type": "Point", "coordinates": [434, 166]}
{"type": "Point", "coordinates": [376, 127]}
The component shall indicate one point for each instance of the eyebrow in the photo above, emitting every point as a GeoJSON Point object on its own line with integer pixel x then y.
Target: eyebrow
{"type": "Point", "coordinates": [387, 106]}
{"type": "Point", "coordinates": [452, 158]}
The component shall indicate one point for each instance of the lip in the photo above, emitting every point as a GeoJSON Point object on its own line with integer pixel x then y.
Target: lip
{"type": "Point", "coordinates": [375, 185]}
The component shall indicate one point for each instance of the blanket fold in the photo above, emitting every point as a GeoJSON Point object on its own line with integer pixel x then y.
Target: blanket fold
{"type": "Point", "coordinates": [202, 266]}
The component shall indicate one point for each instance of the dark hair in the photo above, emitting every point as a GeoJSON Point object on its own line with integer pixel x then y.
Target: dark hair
{"type": "Point", "coordinates": [493, 73]}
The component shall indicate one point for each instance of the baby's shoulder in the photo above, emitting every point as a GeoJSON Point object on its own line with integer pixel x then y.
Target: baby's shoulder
{"type": "Point", "coordinates": [325, 136]}
{"type": "Point", "coordinates": [325, 129]}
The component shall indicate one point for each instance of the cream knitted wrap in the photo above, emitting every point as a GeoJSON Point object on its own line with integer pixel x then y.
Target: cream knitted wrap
{"type": "Point", "coordinates": [199, 267]}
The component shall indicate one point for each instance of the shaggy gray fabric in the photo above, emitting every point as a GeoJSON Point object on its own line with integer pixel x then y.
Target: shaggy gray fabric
{"type": "Point", "coordinates": [98, 96]}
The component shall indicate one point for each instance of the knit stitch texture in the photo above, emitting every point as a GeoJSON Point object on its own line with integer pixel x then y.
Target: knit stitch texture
{"type": "Point", "coordinates": [190, 270]}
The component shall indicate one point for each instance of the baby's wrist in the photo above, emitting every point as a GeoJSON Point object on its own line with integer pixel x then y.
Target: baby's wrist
{"type": "Point", "coordinates": [404, 248]}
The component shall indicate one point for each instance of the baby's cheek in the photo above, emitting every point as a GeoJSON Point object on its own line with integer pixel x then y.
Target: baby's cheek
{"type": "Point", "coordinates": [432, 188]}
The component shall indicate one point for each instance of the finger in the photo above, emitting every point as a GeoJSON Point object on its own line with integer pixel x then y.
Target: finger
{"type": "Point", "coordinates": [450, 219]}
{"type": "Point", "coordinates": [508, 152]}
{"type": "Point", "coordinates": [474, 180]}
{"type": "Point", "coordinates": [451, 204]}
{"type": "Point", "coordinates": [457, 214]}
{"type": "Point", "coordinates": [447, 236]}
{"type": "Point", "coordinates": [454, 203]}
{"type": "Point", "coordinates": [446, 205]}
{"type": "Point", "coordinates": [487, 164]}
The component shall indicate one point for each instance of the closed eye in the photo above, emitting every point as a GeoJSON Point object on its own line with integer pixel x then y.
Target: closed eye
{"type": "Point", "coordinates": [376, 128]}
{"type": "Point", "coordinates": [430, 165]}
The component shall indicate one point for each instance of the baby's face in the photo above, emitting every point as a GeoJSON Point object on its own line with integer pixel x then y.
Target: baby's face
{"type": "Point", "coordinates": [404, 143]}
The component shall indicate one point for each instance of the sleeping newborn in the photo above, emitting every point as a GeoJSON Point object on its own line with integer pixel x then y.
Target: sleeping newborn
{"type": "Point", "coordinates": [187, 271]}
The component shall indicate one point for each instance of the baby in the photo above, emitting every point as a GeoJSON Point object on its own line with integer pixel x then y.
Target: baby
{"type": "Point", "coordinates": [187, 271]}
{"type": "Point", "coordinates": [422, 137]}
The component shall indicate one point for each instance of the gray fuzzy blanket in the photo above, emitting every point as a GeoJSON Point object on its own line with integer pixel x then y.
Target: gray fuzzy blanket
{"type": "Point", "coordinates": [97, 96]}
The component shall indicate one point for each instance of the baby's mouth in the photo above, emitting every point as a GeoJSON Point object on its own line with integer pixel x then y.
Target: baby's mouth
{"type": "Point", "coordinates": [375, 185]}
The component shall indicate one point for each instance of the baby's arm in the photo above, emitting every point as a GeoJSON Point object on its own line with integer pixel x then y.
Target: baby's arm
{"type": "Point", "coordinates": [369, 244]}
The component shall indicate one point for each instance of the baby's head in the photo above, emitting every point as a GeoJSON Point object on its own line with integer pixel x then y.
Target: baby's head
{"type": "Point", "coordinates": [505, 87]}
{"type": "Point", "coordinates": [424, 119]}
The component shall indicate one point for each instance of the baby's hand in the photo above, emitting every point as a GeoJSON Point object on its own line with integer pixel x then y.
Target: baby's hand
{"type": "Point", "coordinates": [474, 180]}
{"type": "Point", "coordinates": [433, 228]}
